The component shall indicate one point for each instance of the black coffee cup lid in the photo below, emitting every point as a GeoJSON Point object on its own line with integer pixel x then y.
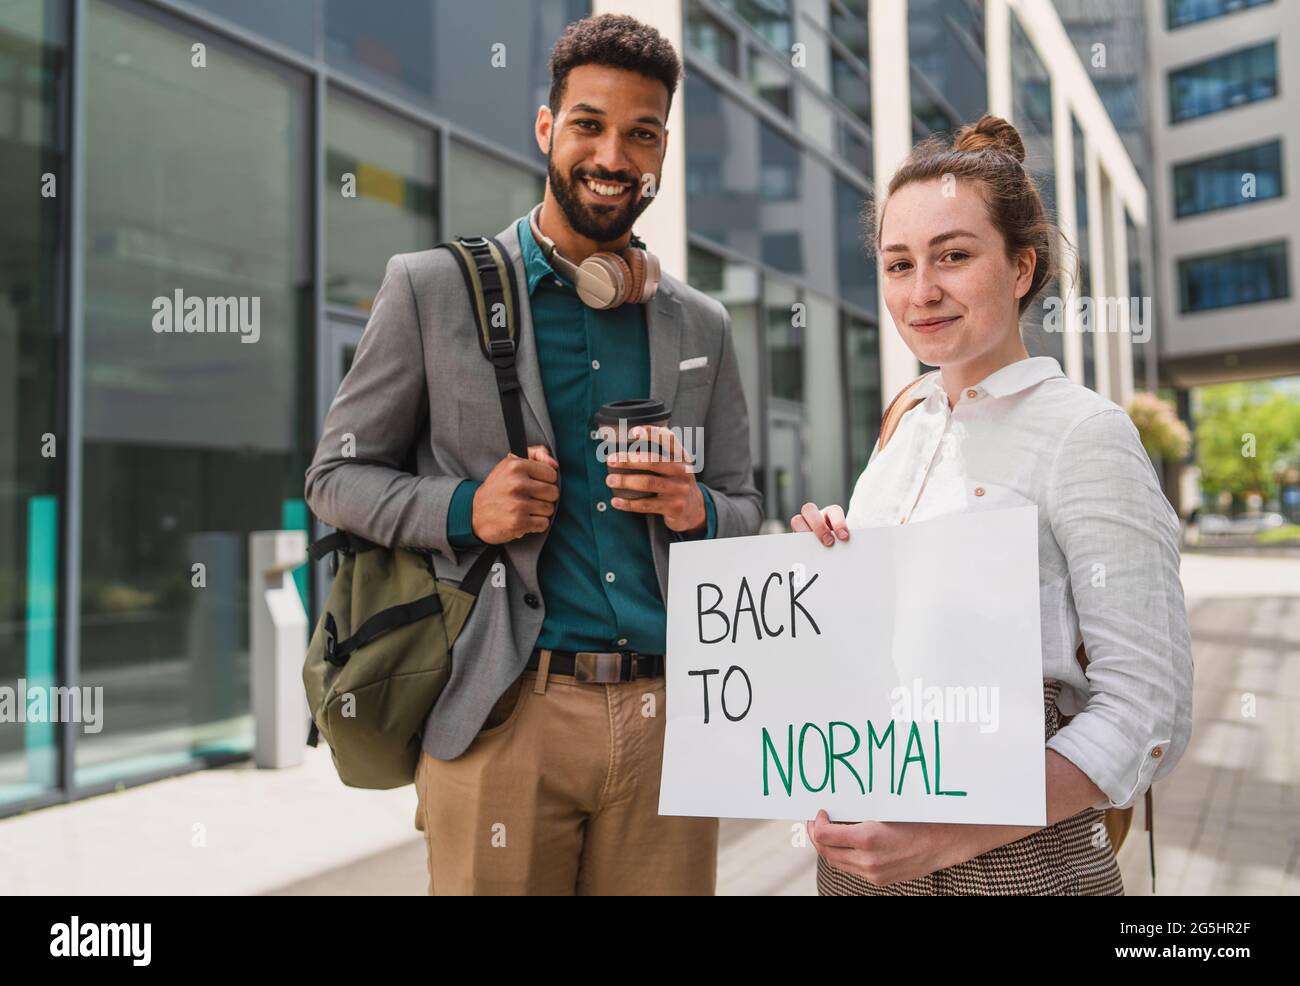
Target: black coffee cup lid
{"type": "Point", "coordinates": [638, 411]}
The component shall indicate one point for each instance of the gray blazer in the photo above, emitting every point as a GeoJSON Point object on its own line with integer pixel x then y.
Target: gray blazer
{"type": "Point", "coordinates": [419, 376]}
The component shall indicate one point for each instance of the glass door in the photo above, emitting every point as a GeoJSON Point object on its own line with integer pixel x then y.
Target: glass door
{"type": "Point", "coordinates": [340, 338]}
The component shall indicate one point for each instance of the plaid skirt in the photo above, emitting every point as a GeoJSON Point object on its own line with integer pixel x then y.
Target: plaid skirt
{"type": "Point", "coordinates": [1067, 858]}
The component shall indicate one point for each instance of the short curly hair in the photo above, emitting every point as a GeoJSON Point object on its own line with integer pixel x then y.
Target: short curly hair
{"type": "Point", "coordinates": [618, 41]}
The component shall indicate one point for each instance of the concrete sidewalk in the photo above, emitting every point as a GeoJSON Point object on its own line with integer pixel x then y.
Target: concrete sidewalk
{"type": "Point", "coordinates": [1227, 820]}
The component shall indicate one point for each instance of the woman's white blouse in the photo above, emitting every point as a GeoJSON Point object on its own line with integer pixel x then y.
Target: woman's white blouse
{"type": "Point", "coordinates": [1108, 551]}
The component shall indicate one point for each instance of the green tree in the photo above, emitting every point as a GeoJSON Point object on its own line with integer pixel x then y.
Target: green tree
{"type": "Point", "coordinates": [1246, 435]}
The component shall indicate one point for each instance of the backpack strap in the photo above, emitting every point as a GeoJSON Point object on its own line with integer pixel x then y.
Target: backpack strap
{"type": "Point", "coordinates": [899, 406]}
{"type": "Point", "coordinates": [494, 300]}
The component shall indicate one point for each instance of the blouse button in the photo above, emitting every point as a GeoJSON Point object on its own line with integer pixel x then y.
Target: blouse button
{"type": "Point", "coordinates": [970, 393]}
{"type": "Point", "coordinates": [979, 490]}
{"type": "Point", "coordinates": [1157, 753]}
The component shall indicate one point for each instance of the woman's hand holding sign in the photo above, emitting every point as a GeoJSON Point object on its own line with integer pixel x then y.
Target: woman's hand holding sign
{"type": "Point", "coordinates": [882, 852]}
{"type": "Point", "coordinates": [887, 852]}
{"type": "Point", "coordinates": [827, 524]}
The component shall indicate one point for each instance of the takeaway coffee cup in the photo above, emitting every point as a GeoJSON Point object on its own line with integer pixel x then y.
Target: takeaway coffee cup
{"type": "Point", "coordinates": [612, 424]}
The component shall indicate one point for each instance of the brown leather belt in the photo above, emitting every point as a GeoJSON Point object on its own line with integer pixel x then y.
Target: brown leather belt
{"type": "Point", "coordinates": [600, 667]}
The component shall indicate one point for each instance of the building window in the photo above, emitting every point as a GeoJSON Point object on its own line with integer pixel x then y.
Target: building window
{"type": "Point", "coordinates": [770, 81]}
{"type": "Point", "coordinates": [1223, 181]}
{"type": "Point", "coordinates": [735, 285]}
{"type": "Point", "coordinates": [290, 22]}
{"type": "Point", "coordinates": [1179, 13]}
{"type": "Point", "coordinates": [1143, 339]}
{"type": "Point", "coordinates": [1234, 79]}
{"type": "Point", "coordinates": [770, 18]}
{"type": "Point", "coordinates": [1032, 110]}
{"type": "Point", "coordinates": [483, 66]}
{"type": "Point", "coordinates": [861, 344]}
{"type": "Point", "coordinates": [1120, 96]}
{"type": "Point", "coordinates": [752, 189]}
{"type": "Point", "coordinates": [851, 84]}
{"type": "Point", "coordinates": [485, 193]}
{"type": "Point", "coordinates": [949, 75]}
{"type": "Point", "coordinates": [1236, 277]}
{"type": "Point", "coordinates": [198, 387]}
{"type": "Point", "coordinates": [33, 277]}
{"type": "Point", "coordinates": [1046, 312]}
{"type": "Point", "coordinates": [855, 268]}
{"type": "Point", "coordinates": [710, 38]}
{"type": "Point", "coordinates": [786, 317]}
{"type": "Point", "coordinates": [1082, 243]}
{"type": "Point", "coordinates": [855, 149]}
{"type": "Point", "coordinates": [380, 195]}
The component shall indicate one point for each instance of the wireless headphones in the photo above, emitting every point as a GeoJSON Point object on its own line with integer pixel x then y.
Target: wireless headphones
{"type": "Point", "coordinates": [606, 279]}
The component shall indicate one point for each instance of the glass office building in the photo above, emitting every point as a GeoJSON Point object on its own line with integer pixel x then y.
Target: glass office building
{"type": "Point", "coordinates": [777, 171]}
{"type": "Point", "coordinates": [272, 156]}
{"type": "Point", "coordinates": [157, 152]}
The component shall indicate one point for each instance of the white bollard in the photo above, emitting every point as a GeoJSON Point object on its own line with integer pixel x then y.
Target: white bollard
{"type": "Point", "coordinates": [277, 642]}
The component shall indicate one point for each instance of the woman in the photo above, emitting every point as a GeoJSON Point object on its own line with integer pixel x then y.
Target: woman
{"type": "Point", "coordinates": [966, 246]}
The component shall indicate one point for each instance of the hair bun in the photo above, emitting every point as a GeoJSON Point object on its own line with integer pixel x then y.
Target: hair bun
{"type": "Point", "coordinates": [990, 133]}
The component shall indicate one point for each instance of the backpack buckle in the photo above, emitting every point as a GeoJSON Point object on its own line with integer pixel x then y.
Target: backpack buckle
{"type": "Point", "coordinates": [501, 349]}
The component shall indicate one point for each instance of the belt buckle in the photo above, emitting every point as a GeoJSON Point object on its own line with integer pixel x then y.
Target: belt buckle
{"type": "Point", "coordinates": [597, 667]}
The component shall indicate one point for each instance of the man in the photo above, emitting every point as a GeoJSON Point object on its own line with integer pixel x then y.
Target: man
{"type": "Point", "coordinates": [541, 760]}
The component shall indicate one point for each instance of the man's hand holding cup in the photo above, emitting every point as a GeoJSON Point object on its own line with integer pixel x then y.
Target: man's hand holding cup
{"type": "Point", "coordinates": [664, 482]}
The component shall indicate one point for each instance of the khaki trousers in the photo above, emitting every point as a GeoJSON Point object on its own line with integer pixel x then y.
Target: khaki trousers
{"type": "Point", "coordinates": [559, 794]}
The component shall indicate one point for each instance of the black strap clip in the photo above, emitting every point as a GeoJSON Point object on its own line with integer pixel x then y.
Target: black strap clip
{"type": "Point", "coordinates": [501, 351]}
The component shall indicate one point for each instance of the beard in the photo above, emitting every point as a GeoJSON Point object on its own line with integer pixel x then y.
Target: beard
{"type": "Point", "coordinates": [599, 223]}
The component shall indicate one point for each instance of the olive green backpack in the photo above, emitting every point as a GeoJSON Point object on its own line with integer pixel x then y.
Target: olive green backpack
{"type": "Point", "coordinates": [381, 652]}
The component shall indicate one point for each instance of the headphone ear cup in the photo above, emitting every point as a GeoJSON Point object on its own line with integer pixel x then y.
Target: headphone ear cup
{"type": "Point", "coordinates": [602, 280]}
{"type": "Point", "coordinates": [649, 276]}
{"type": "Point", "coordinates": [636, 263]}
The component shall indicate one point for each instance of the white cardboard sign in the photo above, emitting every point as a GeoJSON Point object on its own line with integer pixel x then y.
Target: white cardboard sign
{"type": "Point", "coordinates": [896, 676]}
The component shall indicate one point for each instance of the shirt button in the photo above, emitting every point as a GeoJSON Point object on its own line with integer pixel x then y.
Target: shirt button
{"type": "Point", "coordinates": [1157, 752]}
{"type": "Point", "coordinates": [595, 364]}
{"type": "Point", "coordinates": [530, 600]}
{"type": "Point", "coordinates": [595, 433]}
{"type": "Point", "coordinates": [979, 490]}
{"type": "Point", "coordinates": [609, 576]}
{"type": "Point", "coordinates": [600, 505]}
{"type": "Point", "coordinates": [622, 641]}
{"type": "Point", "coordinates": [971, 393]}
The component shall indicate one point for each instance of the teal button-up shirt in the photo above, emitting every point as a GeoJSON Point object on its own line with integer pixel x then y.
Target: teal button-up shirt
{"type": "Point", "coordinates": [596, 571]}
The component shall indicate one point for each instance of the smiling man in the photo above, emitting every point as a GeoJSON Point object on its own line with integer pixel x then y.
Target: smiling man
{"type": "Point", "coordinates": [541, 759]}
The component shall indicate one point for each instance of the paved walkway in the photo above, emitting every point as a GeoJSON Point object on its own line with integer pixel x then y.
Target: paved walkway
{"type": "Point", "coordinates": [1227, 820]}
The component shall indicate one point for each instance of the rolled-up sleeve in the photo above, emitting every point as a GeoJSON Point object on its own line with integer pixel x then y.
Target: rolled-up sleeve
{"type": "Point", "coordinates": [1121, 537]}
